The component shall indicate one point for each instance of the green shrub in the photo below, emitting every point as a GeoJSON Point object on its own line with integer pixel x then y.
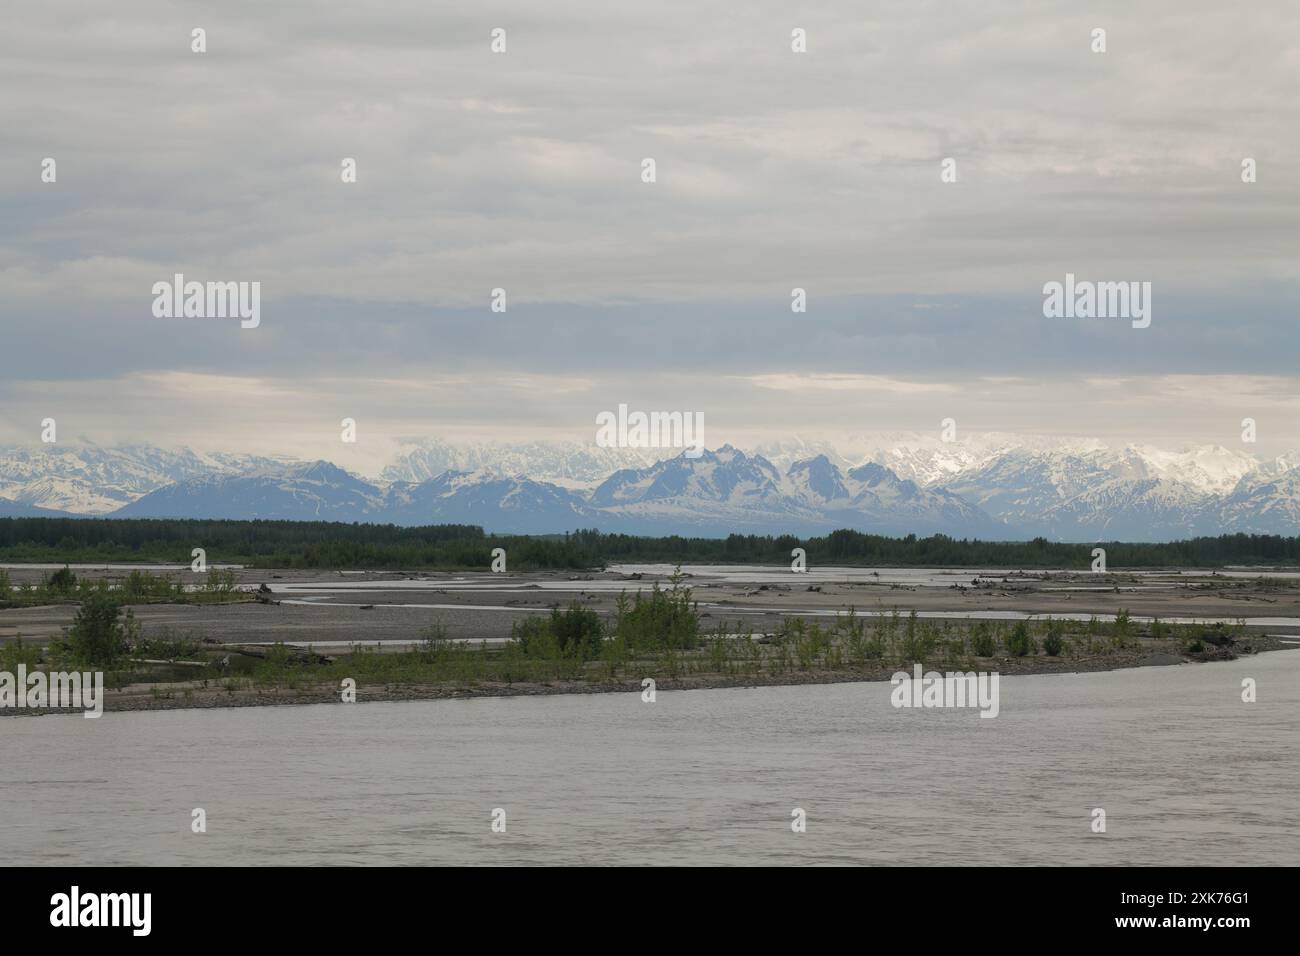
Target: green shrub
{"type": "Point", "coordinates": [62, 581]}
{"type": "Point", "coordinates": [164, 645]}
{"type": "Point", "coordinates": [665, 618]}
{"type": "Point", "coordinates": [1019, 641]}
{"type": "Point", "coordinates": [982, 642]}
{"type": "Point", "coordinates": [861, 648]}
{"type": "Point", "coordinates": [220, 583]}
{"type": "Point", "coordinates": [534, 638]}
{"type": "Point", "coordinates": [918, 639]}
{"type": "Point", "coordinates": [1054, 639]}
{"type": "Point", "coordinates": [578, 631]}
{"type": "Point", "coordinates": [15, 653]}
{"type": "Point", "coordinates": [98, 634]}
{"type": "Point", "coordinates": [143, 586]}
{"type": "Point", "coordinates": [1121, 629]}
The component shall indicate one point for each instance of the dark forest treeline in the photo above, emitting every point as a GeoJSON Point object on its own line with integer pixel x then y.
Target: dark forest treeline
{"type": "Point", "coordinates": [319, 544]}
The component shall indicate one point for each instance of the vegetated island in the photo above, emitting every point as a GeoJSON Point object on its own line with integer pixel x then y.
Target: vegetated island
{"type": "Point", "coordinates": [653, 633]}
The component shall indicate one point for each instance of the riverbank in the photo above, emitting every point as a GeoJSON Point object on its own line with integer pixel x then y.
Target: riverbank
{"type": "Point", "coordinates": [198, 695]}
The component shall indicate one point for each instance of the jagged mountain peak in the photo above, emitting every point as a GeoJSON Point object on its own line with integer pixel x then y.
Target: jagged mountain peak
{"type": "Point", "coordinates": [986, 485]}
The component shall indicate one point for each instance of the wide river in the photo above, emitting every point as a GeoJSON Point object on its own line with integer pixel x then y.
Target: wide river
{"type": "Point", "coordinates": [1186, 772]}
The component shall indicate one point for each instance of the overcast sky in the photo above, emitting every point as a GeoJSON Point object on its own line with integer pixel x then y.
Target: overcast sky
{"type": "Point", "coordinates": [522, 170]}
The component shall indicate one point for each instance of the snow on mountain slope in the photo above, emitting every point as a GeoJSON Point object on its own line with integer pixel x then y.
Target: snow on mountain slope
{"type": "Point", "coordinates": [313, 491]}
{"type": "Point", "coordinates": [894, 503]}
{"type": "Point", "coordinates": [570, 464]}
{"type": "Point", "coordinates": [786, 452]}
{"type": "Point", "coordinates": [1209, 469]}
{"type": "Point", "coordinates": [728, 490]}
{"type": "Point", "coordinates": [85, 478]}
{"type": "Point", "coordinates": [505, 505]}
{"type": "Point", "coordinates": [927, 459]}
{"type": "Point", "coordinates": [815, 482]}
{"type": "Point", "coordinates": [726, 476]}
{"type": "Point", "coordinates": [1086, 492]}
{"type": "Point", "coordinates": [986, 485]}
{"type": "Point", "coordinates": [1264, 504]}
{"type": "Point", "coordinates": [1131, 509]}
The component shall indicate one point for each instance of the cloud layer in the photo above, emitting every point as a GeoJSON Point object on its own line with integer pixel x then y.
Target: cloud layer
{"type": "Point", "coordinates": [521, 171]}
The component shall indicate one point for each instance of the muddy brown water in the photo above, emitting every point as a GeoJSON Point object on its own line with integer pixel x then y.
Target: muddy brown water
{"type": "Point", "coordinates": [1186, 771]}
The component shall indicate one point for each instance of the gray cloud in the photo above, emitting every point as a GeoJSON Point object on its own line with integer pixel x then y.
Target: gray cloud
{"type": "Point", "coordinates": [522, 171]}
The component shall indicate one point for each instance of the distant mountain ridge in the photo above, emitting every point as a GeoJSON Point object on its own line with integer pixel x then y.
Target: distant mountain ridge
{"type": "Point", "coordinates": [570, 464]}
{"type": "Point", "coordinates": [990, 486]}
{"type": "Point", "coordinates": [727, 489]}
{"type": "Point", "coordinates": [717, 493]}
{"type": "Point", "coordinates": [85, 478]}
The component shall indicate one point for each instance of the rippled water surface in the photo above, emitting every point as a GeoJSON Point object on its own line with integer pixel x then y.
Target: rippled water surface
{"type": "Point", "coordinates": [1187, 774]}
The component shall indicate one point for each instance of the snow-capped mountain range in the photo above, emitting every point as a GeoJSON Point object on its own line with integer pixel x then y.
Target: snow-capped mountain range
{"type": "Point", "coordinates": [89, 479]}
{"type": "Point", "coordinates": [570, 464]}
{"type": "Point", "coordinates": [988, 485]}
